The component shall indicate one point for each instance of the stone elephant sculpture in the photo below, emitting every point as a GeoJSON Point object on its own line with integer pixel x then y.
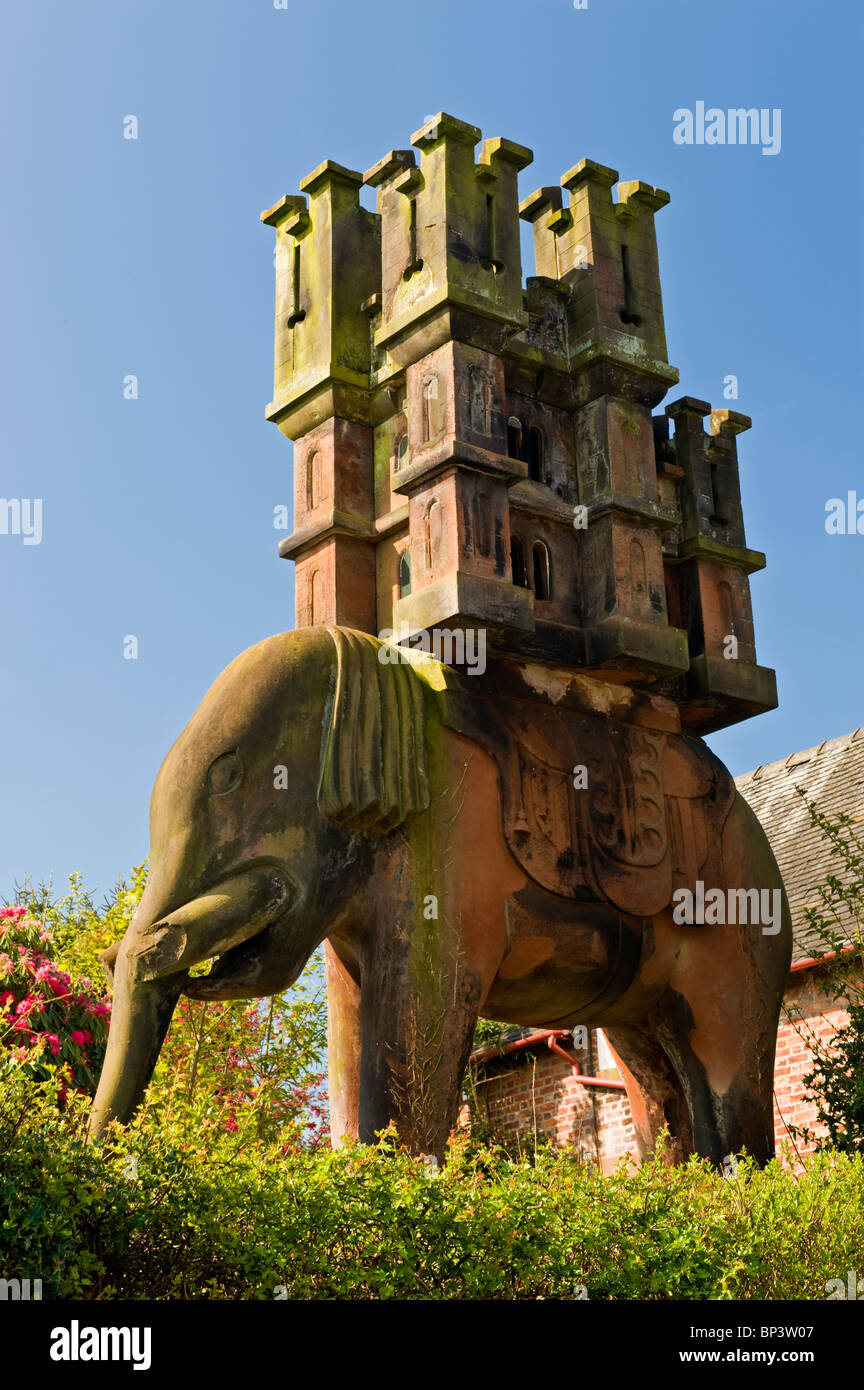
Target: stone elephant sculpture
{"type": "Point", "coordinates": [511, 844]}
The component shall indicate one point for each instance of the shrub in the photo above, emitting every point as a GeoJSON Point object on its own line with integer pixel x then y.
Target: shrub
{"type": "Point", "coordinates": [835, 1083]}
{"type": "Point", "coordinates": [163, 1213]}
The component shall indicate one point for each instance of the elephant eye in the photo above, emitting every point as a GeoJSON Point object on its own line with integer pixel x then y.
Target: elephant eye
{"type": "Point", "coordinates": [224, 774]}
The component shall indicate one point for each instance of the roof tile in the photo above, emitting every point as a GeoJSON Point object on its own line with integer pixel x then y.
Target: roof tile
{"type": "Point", "coordinates": [832, 776]}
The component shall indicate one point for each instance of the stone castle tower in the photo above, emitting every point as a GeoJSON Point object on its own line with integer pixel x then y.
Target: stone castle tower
{"type": "Point", "coordinates": [472, 452]}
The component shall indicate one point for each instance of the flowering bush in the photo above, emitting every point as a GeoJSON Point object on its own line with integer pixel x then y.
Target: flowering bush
{"type": "Point", "coordinates": [252, 1068]}
{"type": "Point", "coordinates": [50, 1023]}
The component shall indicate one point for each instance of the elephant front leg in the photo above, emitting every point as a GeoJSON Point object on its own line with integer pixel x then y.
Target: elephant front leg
{"type": "Point", "coordinates": [343, 1046]}
{"type": "Point", "coordinates": [419, 1011]}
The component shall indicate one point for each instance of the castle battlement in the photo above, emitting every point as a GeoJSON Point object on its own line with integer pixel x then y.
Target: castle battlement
{"type": "Point", "coordinates": [473, 450]}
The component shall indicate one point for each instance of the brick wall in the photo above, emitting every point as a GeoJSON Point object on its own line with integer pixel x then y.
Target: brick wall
{"type": "Point", "coordinates": [528, 1093]}
{"type": "Point", "coordinates": [809, 1012]}
{"type": "Point", "coordinates": [537, 1093]}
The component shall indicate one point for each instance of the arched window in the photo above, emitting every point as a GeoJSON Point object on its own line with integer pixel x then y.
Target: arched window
{"type": "Point", "coordinates": [313, 479]}
{"type": "Point", "coordinates": [400, 454]}
{"type": "Point", "coordinates": [542, 576]}
{"type": "Point", "coordinates": [432, 529]}
{"type": "Point", "coordinates": [311, 586]}
{"type": "Point", "coordinates": [481, 401]}
{"type": "Point", "coordinates": [430, 394]}
{"type": "Point", "coordinates": [514, 437]}
{"type": "Point", "coordinates": [727, 608]}
{"type": "Point", "coordinates": [517, 562]}
{"type": "Point", "coordinates": [480, 512]}
{"type": "Point", "coordinates": [638, 573]}
{"type": "Point", "coordinates": [717, 510]}
{"type": "Point", "coordinates": [535, 455]}
{"type": "Point", "coordinates": [404, 574]}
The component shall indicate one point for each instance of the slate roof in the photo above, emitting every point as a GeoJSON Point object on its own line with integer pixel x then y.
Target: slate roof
{"type": "Point", "coordinates": [832, 775]}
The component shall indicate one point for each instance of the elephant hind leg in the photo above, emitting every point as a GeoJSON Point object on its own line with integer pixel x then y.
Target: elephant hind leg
{"type": "Point", "coordinates": [717, 1022]}
{"type": "Point", "coordinates": [655, 1093]}
{"type": "Point", "coordinates": [723, 1054]}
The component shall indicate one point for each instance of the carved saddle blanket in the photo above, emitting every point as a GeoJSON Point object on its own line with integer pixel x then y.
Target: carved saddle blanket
{"type": "Point", "coordinates": [592, 806]}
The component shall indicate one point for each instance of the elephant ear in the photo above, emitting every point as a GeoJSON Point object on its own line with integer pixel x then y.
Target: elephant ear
{"type": "Point", "coordinates": [373, 753]}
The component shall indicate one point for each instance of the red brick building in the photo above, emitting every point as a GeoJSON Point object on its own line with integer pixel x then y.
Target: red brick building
{"type": "Point", "coordinates": [554, 1087]}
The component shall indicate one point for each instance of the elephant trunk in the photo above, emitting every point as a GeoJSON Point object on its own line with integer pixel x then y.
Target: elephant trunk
{"type": "Point", "coordinates": [139, 1021]}
{"type": "Point", "coordinates": [150, 972]}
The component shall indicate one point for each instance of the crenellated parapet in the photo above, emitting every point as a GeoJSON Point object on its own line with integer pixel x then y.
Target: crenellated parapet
{"type": "Point", "coordinates": [450, 262]}
{"type": "Point", "coordinates": [475, 450]}
{"type": "Point", "coordinates": [605, 251]}
{"type": "Point", "coordinates": [328, 256]}
{"type": "Point", "coordinates": [708, 563]}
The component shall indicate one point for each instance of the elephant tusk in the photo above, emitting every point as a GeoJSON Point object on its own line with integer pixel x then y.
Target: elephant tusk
{"type": "Point", "coordinates": [239, 908]}
{"type": "Point", "coordinates": [108, 958]}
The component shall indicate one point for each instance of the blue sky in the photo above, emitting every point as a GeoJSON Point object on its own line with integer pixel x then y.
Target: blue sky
{"type": "Point", "coordinates": [146, 257]}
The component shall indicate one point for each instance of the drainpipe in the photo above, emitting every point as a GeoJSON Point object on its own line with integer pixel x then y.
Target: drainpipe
{"type": "Point", "coordinates": [533, 1040]}
{"type": "Point", "coordinates": [809, 963]}
{"type": "Point", "coordinates": [549, 1036]}
{"type": "Point", "coordinates": [597, 1081]}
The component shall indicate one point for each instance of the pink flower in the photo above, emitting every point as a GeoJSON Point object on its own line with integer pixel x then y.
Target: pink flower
{"type": "Point", "coordinates": [81, 1038]}
{"type": "Point", "coordinates": [6, 998]}
{"type": "Point", "coordinates": [53, 1042]}
{"type": "Point", "coordinates": [22, 1025]}
{"type": "Point", "coordinates": [59, 984]}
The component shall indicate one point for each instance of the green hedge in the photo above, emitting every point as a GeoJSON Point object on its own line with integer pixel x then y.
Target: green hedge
{"type": "Point", "coordinates": [213, 1218]}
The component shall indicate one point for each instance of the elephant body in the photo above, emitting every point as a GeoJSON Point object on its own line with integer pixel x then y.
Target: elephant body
{"type": "Point", "coordinates": [507, 845]}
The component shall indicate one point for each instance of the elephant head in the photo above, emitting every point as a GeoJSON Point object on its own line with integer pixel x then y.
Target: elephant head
{"type": "Point", "coordinates": [263, 822]}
